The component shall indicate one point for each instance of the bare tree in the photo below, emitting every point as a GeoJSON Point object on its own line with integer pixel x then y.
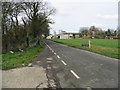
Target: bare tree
{"type": "Point", "coordinates": [83, 30]}
{"type": "Point", "coordinates": [34, 22]}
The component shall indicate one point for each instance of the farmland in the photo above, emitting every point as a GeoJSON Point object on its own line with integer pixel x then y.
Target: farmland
{"type": "Point", "coordinates": [107, 47]}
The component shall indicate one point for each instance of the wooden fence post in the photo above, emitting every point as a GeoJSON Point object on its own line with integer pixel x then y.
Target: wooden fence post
{"type": "Point", "coordinates": [89, 44]}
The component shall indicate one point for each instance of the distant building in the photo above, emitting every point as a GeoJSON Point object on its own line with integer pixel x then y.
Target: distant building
{"type": "Point", "coordinates": [112, 37]}
{"type": "Point", "coordinates": [91, 36]}
{"type": "Point", "coordinates": [65, 35]}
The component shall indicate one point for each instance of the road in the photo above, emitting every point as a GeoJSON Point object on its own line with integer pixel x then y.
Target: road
{"type": "Point", "coordinates": [76, 68]}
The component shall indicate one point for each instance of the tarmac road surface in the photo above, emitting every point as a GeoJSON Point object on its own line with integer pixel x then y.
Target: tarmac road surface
{"type": "Point", "coordinates": [76, 68]}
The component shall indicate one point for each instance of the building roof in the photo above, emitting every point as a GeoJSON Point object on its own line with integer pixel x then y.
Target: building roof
{"type": "Point", "coordinates": [73, 33]}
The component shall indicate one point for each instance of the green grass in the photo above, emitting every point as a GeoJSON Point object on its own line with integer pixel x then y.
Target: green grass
{"type": "Point", "coordinates": [10, 60]}
{"type": "Point", "coordinates": [108, 47]}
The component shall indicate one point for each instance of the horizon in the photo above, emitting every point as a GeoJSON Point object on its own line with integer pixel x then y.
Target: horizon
{"type": "Point", "coordinates": [73, 15]}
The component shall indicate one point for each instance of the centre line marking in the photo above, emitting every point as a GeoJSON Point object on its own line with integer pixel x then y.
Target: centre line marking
{"type": "Point", "coordinates": [63, 62]}
{"type": "Point", "coordinates": [58, 56]}
{"type": "Point", "coordinates": [49, 47]}
{"type": "Point", "coordinates": [74, 74]}
{"type": "Point", "coordinates": [55, 53]}
{"type": "Point", "coordinates": [52, 51]}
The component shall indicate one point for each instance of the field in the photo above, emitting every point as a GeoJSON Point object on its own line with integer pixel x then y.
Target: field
{"type": "Point", "coordinates": [12, 60]}
{"type": "Point", "coordinates": [108, 47]}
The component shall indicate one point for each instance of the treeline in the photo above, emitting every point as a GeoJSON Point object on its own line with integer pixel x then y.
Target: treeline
{"type": "Point", "coordinates": [25, 24]}
{"type": "Point", "coordinates": [98, 31]}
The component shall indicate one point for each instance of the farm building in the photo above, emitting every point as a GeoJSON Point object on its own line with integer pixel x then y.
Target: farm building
{"type": "Point", "coordinates": [91, 36]}
{"type": "Point", "coordinates": [112, 37]}
{"type": "Point", "coordinates": [66, 36]}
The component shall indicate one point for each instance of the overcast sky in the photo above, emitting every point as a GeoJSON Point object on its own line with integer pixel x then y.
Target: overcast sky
{"type": "Point", "coordinates": [73, 14]}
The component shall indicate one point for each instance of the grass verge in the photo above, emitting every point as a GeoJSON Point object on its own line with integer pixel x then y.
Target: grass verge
{"type": "Point", "coordinates": [12, 60]}
{"type": "Point", "coordinates": [102, 46]}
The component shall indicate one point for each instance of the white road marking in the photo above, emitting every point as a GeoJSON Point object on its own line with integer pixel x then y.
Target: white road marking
{"type": "Point", "coordinates": [47, 45]}
{"type": "Point", "coordinates": [58, 56]}
{"type": "Point", "coordinates": [63, 62]}
{"type": "Point", "coordinates": [88, 88]}
{"type": "Point", "coordinates": [74, 74]}
{"type": "Point", "coordinates": [49, 61]}
{"type": "Point", "coordinates": [49, 58]}
{"type": "Point", "coordinates": [55, 53]}
{"type": "Point", "coordinates": [50, 48]}
{"type": "Point", "coordinates": [52, 51]}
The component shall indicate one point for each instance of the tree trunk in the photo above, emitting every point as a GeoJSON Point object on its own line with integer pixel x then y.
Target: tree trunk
{"type": "Point", "coordinates": [27, 40]}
